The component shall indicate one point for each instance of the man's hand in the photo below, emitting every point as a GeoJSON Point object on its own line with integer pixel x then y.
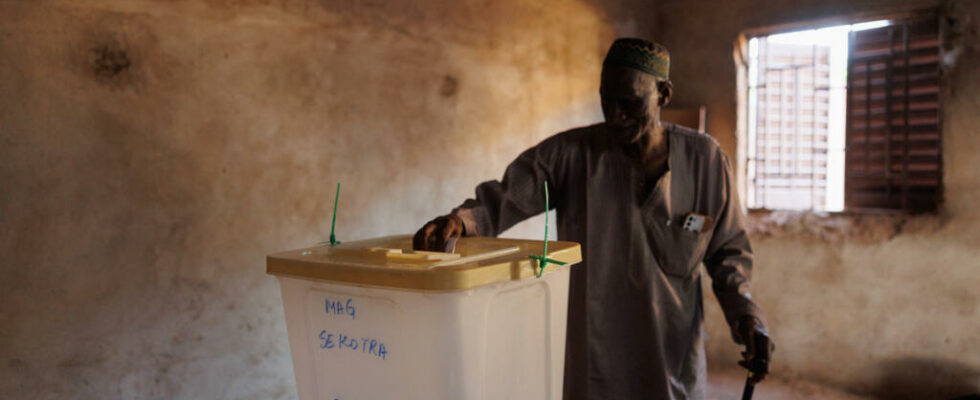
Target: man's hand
{"type": "Point", "coordinates": [758, 347]}
{"type": "Point", "coordinates": [434, 235]}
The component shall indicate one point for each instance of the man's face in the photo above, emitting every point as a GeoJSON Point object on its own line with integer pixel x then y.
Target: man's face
{"type": "Point", "coordinates": [630, 102]}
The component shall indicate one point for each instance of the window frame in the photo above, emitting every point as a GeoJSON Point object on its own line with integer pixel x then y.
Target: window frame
{"type": "Point", "coordinates": [741, 58]}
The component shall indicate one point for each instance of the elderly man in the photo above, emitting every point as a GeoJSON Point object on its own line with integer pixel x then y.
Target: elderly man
{"type": "Point", "coordinates": [648, 201]}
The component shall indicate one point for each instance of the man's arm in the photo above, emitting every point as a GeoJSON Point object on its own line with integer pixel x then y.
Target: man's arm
{"type": "Point", "coordinates": [728, 261]}
{"type": "Point", "coordinates": [499, 205]}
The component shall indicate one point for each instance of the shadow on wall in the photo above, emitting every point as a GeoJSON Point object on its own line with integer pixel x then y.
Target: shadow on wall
{"type": "Point", "coordinates": [923, 378]}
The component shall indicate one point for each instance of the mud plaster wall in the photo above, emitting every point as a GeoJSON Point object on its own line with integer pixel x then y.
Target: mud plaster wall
{"type": "Point", "coordinates": [875, 304]}
{"type": "Point", "coordinates": [152, 153]}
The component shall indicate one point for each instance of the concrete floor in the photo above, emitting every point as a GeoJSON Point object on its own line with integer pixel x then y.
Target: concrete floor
{"type": "Point", "coordinates": [728, 385]}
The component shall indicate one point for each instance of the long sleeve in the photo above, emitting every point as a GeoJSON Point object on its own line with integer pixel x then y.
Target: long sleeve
{"type": "Point", "coordinates": [520, 194]}
{"type": "Point", "coordinates": [728, 259]}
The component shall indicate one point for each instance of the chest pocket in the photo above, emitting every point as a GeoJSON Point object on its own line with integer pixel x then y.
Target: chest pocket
{"type": "Point", "coordinates": [678, 251]}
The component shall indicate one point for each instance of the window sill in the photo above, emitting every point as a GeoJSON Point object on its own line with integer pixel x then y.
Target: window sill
{"type": "Point", "coordinates": [865, 226]}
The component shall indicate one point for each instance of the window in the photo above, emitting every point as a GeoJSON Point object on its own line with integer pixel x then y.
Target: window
{"type": "Point", "coordinates": [845, 117]}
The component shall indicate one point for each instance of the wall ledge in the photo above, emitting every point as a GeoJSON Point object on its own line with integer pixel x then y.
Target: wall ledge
{"type": "Point", "coordinates": [863, 227]}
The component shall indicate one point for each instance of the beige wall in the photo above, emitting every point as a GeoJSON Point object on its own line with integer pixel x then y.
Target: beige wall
{"type": "Point", "coordinates": [879, 305]}
{"type": "Point", "coordinates": [151, 154]}
{"type": "Point", "coordinates": [154, 152]}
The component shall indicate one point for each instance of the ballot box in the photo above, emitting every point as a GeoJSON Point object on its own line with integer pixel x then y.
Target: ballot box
{"type": "Point", "coordinates": [372, 319]}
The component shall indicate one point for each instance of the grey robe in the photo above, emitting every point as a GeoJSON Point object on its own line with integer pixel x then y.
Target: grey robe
{"type": "Point", "coordinates": [634, 309]}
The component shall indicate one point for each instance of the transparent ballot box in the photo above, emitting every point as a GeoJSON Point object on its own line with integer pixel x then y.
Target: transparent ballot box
{"type": "Point", "coordinates": [375, 320]}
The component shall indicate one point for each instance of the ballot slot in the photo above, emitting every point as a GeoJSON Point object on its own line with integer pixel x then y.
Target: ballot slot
{"type": "Point", "coordinates": [466, 252]}
{"type": "Point", "coordinates": [413, 255]}
{"type": "Point", "coordinates": [489, 254]}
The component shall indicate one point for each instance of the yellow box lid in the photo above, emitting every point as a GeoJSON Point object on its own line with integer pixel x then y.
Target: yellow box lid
{"type": "Point", "coordinates": [391, 262]}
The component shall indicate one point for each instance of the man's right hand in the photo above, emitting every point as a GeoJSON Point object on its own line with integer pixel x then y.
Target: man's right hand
{"type": "Point", "coordinates": [434, 235]}
{"type": "Point", "coordinates": [758, 347]}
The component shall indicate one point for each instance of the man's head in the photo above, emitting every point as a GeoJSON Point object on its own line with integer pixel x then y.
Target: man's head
{"type": "Point", "coordinates": [634, 86]}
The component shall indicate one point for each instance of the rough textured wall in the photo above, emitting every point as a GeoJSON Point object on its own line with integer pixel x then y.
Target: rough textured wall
{"type": "Point", "coordinates": [152, 153]}
{"type": "Point", "coordinates": [880, 305]}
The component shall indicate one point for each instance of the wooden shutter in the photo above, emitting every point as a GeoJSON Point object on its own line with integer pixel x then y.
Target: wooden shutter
{"type": "Point", "coordinates": [893, 156]}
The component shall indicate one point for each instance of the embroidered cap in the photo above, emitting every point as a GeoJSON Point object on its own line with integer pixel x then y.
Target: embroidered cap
{"type": "Point", "coordinates": [640, 54]}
